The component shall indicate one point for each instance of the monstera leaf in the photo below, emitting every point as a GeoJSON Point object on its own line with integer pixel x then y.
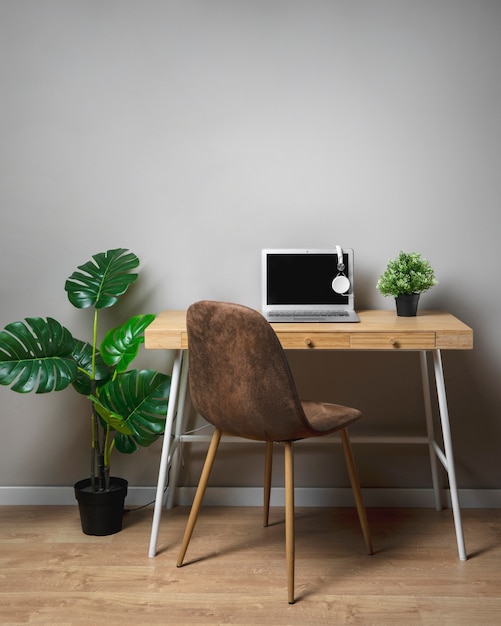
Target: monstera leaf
{"type": "Point", "coordinates": [120, 345]}
{"type": "Point", "coordinates": [36, 354]}
{"type": "Point", "coordinates": [82, 354]}
{"type": "Point", "coordinates": [135, 405]}
{"type": "Point", "coordinates": [103, 280]}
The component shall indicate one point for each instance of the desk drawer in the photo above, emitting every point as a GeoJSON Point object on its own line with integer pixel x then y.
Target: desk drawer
{"type": "Point", "coordinates": [393, 341]}
{"type": "Point", "coordinates": [319, 341]}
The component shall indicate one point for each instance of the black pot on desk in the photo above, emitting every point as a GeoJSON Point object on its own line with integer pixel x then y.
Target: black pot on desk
{"type": "Point", "coordinates": [407, 304]}
{"type": "Point", "coordinates": [101, 512]}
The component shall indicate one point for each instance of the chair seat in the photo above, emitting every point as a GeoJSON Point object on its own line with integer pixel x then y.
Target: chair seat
{"type": "Point", "coordinates": [326, 418]}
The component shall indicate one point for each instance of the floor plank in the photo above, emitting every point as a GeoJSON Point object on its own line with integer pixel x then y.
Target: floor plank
{"type": "Point", "coordinates": [234, 572]}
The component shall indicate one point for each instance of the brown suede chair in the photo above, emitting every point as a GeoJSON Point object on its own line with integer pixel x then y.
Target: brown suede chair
{"type": "Point", "coordinates": [241, 383]}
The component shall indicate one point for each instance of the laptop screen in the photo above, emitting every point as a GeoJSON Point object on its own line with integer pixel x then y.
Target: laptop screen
{"type": "Point", "coordinates": [300, 279]}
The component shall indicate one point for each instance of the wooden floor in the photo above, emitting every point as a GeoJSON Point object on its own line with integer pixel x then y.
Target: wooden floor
{"type": "Point", "coordinates": [234, 574]}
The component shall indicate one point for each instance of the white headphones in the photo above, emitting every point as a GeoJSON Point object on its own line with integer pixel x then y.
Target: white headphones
{"type": "Point", "coordinates": [341, 283]}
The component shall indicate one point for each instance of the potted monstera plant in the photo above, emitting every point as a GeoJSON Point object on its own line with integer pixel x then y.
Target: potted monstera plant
{"type": "Point", "coordinates": [127, 406]}
{"type": "Point", "coordinates": [405, 278]}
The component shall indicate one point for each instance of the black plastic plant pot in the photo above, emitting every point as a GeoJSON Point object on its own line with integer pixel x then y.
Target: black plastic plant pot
{"type": "Point", "coordinates": [101, 512]}
{"type": "Point", "coordinates": [407, 305]}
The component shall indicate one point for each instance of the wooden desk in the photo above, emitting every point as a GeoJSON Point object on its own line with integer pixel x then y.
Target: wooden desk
{"type": "Point", "coordinates": [427, 333]}
{"type": "Point", "coordinates": [377, 330]}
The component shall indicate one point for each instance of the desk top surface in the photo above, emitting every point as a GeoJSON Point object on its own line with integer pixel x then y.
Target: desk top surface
{"type": "Point", "coordinates": [377, 330]}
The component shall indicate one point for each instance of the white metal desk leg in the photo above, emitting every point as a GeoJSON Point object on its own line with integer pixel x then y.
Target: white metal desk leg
{"type": "Point", "coordinates": [449, 455]}
{"type": "Point", "coordinates": [174, 468]}
{"type": "Point", "coordinates": [430, 430]}
{"type": "Point", "coordinates": [164, 459]}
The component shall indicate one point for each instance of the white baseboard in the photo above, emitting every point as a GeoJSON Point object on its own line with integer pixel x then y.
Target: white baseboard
{"type": "Point", "coordinates": [61, 496]}
{"type": "Point", "coordinates": [252, 496]}
{"type": "Point", "coordinates": [310, 496]}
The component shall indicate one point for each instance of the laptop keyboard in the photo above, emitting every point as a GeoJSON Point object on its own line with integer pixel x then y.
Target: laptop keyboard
{"type": "Point", "coordinates": [309, 314]}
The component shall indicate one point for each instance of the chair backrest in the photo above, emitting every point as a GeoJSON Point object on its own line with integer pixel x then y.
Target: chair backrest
{"type": "Point", "coordinates": [240, 380]}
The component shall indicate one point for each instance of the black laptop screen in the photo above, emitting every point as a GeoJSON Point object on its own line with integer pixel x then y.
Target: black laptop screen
{"type": "Point", "coordinates": [302, 279]}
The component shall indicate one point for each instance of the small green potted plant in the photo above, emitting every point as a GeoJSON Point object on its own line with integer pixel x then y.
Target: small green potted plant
{"type": "Point", "coordinates": [405, 278]}
{"type": "Point", "coordinates": [127, 406]}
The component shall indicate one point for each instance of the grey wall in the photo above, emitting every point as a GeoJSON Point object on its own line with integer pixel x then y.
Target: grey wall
{"type": "Point", "coordinates": [197, 133]}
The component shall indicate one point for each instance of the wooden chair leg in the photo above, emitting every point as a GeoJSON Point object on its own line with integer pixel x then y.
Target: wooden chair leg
{"type": "Point", "coordinates": [355, 485]}
{"type": "Point", "coordinates": [289, 518]}
{"type": "Point", "coordinates": [199, 495]}
{"type": "Point", "coordinates": [268, 464]}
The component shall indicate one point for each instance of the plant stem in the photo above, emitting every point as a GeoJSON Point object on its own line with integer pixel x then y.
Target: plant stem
{"type": "Point", "coordinates": [108, 448]}
{"type": "Point", "coordinates": [98, 463]}
{"type": "Point", "coordinates": [96, 459]}
{"type": "Point", "coordinates": [92, 454]}
{"type": "Point", "coordinates": [94, 346]}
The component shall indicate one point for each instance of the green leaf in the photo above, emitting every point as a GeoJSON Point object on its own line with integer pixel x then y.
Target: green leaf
{"type": "Point", "coordinates": [140, 399]}
{"type": "Point", "coordinates": [115, 421]}
{"type": "Point", "coordinates": [120, 345]}
{"type": "Point", "coordinates": [102, 281]}
{"type": "Point", "coordinates": [36, 354]}
{"type": "Point", "coordinates": [82, 354]}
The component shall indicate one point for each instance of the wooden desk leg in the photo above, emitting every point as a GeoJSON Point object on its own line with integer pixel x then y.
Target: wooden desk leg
{"type": "Point", "coordinates": [430, 431]}
{"type": "Point", "coordinates": [166, 446]}
{"type": "Point", "coordinates": [449, 455]}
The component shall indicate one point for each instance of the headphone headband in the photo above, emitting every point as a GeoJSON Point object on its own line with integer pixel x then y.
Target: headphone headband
{"type": "Point", "coordinates": [340, 264]}
{"type": "Point", "coordinates": [341, 283]}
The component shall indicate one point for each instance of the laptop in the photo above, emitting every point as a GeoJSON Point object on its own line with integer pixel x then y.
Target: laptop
{"type": "Point", "coordinates": [308, 285]}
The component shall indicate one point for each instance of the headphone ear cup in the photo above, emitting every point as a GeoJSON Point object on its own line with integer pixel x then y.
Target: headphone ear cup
{"type": "Point", "coordinates": [340, 284]}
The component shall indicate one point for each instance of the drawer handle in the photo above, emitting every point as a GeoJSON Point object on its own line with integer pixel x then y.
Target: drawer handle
{"type": "Point", "coordinates": [394, 342]}
{"type": "Point", "coordinates": [308, 342]}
